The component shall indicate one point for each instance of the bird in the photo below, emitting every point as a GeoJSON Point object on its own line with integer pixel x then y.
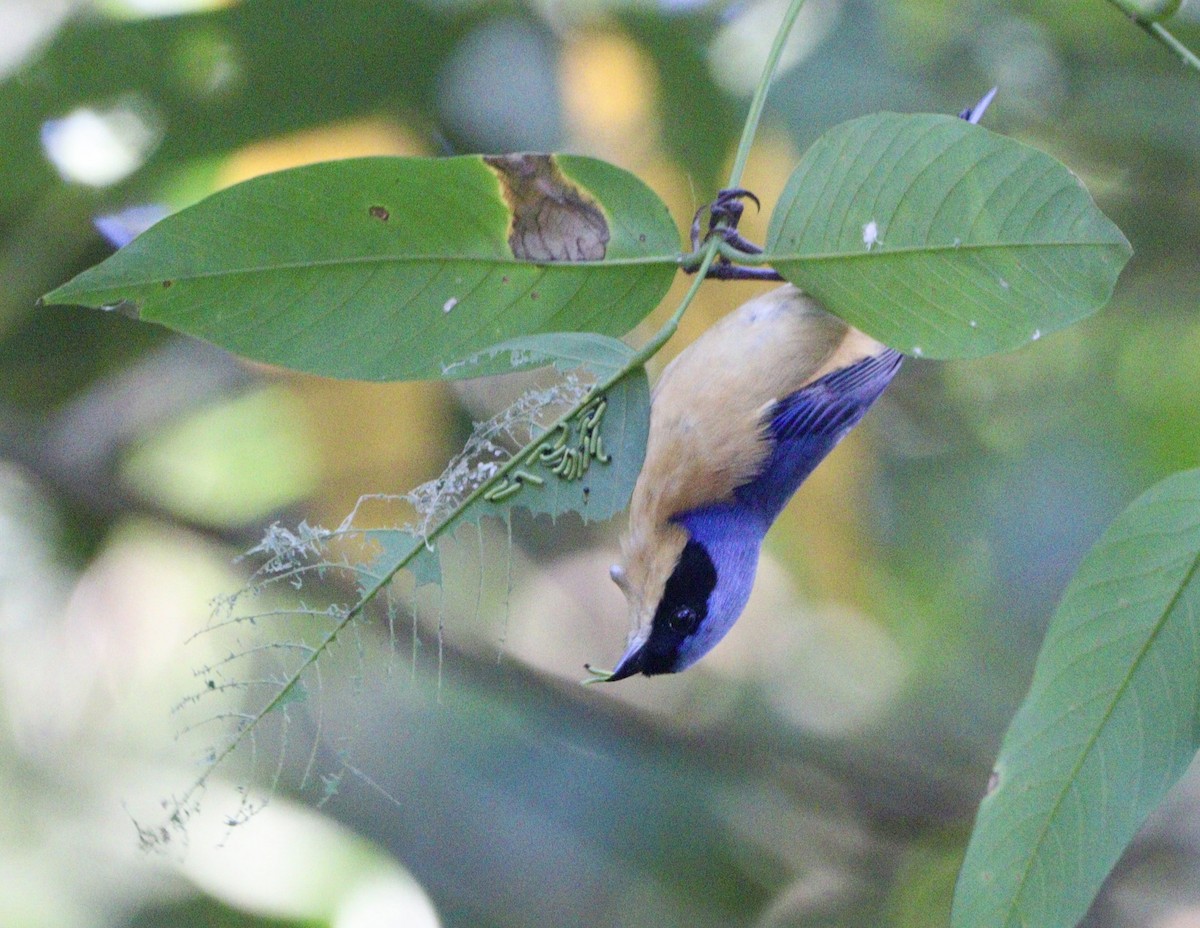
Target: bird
{"type": "Point", "coordinates": [737, 422]}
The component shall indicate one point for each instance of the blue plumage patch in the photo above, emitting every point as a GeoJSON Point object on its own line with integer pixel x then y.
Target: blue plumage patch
{"type": "Point", "coordinates": [808, 424]}
{"type": "Point", "coordinates": [836, 401]}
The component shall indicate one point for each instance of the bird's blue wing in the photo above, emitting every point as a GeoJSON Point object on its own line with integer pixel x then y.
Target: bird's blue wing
{"type": "Point", "coordinates": [835, 402]}
{"type": "Point", "coordinates": [807, 425]}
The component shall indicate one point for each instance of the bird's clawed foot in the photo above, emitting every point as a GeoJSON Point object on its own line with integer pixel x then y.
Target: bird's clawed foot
{"type": "Point", "coordinates": [724, 214]}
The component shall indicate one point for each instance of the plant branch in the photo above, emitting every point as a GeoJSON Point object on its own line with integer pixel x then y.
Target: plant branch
{"type": "Point", "coordinates": [1159, 32]}
{"type": "Point", "coordinates": [758, 101]}
{"type": "Point", "coordinates": [651, 348]}
{"type": "Point", "coordinates": [724, 215]}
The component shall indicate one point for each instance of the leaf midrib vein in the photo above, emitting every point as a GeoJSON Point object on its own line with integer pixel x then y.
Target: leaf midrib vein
{"type": "Point", "coordinates": [1091, 741]}
{"type": "Point", "coordinates": [648, 260]}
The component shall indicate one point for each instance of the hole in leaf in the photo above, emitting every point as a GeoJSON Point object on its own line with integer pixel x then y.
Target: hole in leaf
{"type": "Point", "coordinates": [552, 219]}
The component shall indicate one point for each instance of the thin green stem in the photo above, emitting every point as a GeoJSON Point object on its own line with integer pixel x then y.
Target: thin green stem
{"type": "Point", "coordinates": [760, 93]}
{"type": "Point", "coordinates": [663, 335]}
{"type": "Point", "coordinates": [742, 257]}
{"type": "Point", "coordinates": [1159, 31]}
{"type": "Point", "coordinates": [371, 592]}
{"type": "Point", "coordinates": [689, 262]}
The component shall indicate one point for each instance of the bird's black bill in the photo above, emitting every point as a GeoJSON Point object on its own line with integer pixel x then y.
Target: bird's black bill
{"type": "Point", "coordinates": [630, 666]}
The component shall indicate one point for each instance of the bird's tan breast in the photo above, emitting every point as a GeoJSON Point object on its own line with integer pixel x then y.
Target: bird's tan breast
{"type": "Point", "coordinates": [708, 418]}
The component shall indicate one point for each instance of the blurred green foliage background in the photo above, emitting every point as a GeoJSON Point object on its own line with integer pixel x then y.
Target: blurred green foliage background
{"type": "Point", "coordinates": [823, 765]}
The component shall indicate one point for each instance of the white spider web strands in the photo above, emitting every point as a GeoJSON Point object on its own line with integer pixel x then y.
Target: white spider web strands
{"type": "Point", "coordinates": [487, 450]}
{"type": "Point", "coordinates": [274, 648]}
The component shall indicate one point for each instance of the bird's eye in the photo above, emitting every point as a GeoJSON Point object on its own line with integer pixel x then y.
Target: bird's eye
{"type": "Point", "coordinates": [684, 620]}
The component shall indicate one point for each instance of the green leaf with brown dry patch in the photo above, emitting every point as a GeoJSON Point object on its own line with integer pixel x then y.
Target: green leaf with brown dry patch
{"type": "Point", "coordinates": [396, 268]}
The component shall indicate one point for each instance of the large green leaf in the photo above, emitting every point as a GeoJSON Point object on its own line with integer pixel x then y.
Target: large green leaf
{"type": "Point", "coordinates": [941, 238]}
{"type": "Point", "coordinates": [393, 268]}
{"type": "Point", "coordinates": [1109, 725]}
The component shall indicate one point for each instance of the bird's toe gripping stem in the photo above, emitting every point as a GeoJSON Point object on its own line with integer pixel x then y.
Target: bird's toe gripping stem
{"type": "Point", "coordinates": [724, 214]}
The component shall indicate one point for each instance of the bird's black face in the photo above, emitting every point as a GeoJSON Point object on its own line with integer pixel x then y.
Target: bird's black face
{"type": "Point", "coordinates": [684, 605]}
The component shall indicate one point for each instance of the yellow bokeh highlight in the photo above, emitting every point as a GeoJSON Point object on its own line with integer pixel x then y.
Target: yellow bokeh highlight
{"type": "Point", "coordinates": [375, 438]}
{"type": "Point", "coordinates": [354, 139]}
{"type": "Point", "coordinates": [608, 82]}
{"type": "Point", "coordinates": [609, 93]}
